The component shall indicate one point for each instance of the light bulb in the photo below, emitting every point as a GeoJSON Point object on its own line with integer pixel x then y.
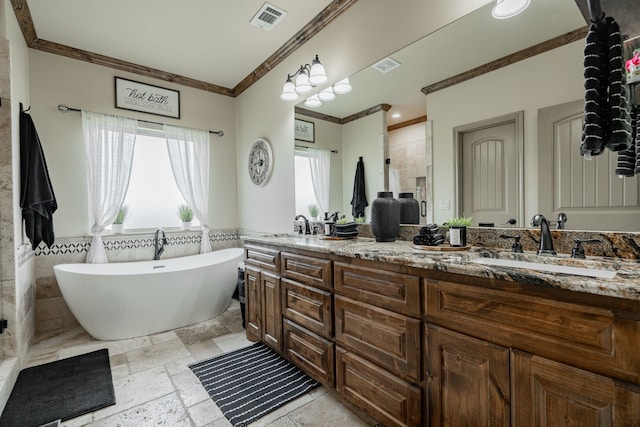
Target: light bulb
{"type": "Point", "coordinates": [317, 75]}
{"type": "Point", "coordinates": [289, 91]}
{"type": "Point", "coordinates": [342, 86]}
{"type": "Point", "coordinates": [508, 8]}
{"type": "Point", "coordinates": [327, 94]}
{"type": "Point", "coordinates": [302, 82]}
{"type": "Point", "coordinates": [313, 102]}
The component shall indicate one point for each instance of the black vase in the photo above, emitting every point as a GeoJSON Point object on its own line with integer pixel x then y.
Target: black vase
{"type": "Point", "coordinates": [409, 209]}
{"type": "Point", "coordinates": [385, 217]}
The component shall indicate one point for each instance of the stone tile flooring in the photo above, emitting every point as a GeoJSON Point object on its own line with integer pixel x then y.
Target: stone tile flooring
{"type": "Point", "coordinates": [155, 387]}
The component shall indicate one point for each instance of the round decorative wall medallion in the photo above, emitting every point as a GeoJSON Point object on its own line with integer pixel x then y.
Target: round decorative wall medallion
{"type": "Point", "coordinates": [260, 162]}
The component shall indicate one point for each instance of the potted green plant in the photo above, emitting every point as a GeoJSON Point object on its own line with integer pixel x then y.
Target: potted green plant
{"type": "Point", "coordinates": [458, 230]}
{"type": "Point", "coordinates": [186, 216]}
{"type": "Point", "coordinates": [118, 223]}
{"type": "Point", "coordinates": [313, 212]}
{"type": "Point", "coordinates": [359, 219]}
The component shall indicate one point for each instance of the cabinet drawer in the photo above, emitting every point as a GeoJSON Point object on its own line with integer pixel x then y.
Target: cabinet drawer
{"type": "Point", "coordinates": [389, 339]}
{"type": "Point", "coordinates": [307, 306]}
{"type": "Point", "coordinates": [386, 289]}
{"type": "Point", "coordinates": [579, 335]}
{"type": "Point", "coordinates": [265, 258]}
{"type": "Point", "coordinates": [310, 352]}
{"type": "Point", "coordinates": [308, 270]}
{"type": "Point", "coordinates": [383, 396]}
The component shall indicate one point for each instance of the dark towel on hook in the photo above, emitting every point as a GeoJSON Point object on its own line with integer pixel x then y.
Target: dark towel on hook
{"type": "Point", "coordinates": [628, 161]}
{"type": "Point", "coordinates": [619, 133]}
{"type": "Point", "coordinates": [37, 199]}
{"type": "Point", "coordinates": [606, 122]}
{"type": "Point", "coordinates": [595, 96]}
{"type": "Point", "coordinates": [359, 199]}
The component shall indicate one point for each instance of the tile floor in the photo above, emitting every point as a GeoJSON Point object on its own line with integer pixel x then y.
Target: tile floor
{"type": "Point", "coordinates": [155, 387]}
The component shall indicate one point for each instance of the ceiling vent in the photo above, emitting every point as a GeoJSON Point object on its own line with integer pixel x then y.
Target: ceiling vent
{"type": "Point", "coordinates": [385, 65]}
{"type": "Point", "coordinates": [268, 16]}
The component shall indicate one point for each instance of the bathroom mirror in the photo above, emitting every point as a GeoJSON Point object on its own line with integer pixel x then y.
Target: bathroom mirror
{"type": "Point", "coordinates": [469, 42]}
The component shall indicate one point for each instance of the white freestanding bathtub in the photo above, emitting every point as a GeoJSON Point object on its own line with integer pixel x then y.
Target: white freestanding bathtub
{"type": "Point", "coordinates": [130, 299]}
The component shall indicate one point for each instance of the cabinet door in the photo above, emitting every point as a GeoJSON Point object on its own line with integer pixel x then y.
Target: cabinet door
{"type": "Point", "coordinates": [307, 306]}
{"type": "Point", "coordinates": [272, 316]}
{"type": "Point", "coordinates": [548, 393]}
{"type": "Point", "coordinates": [253, 295]}
{"type": "Point", "coordinates": [382, 395]}
{"type": "Point", "coordinates": [469, 380]}
{"type": "Point", "coordinates": [310, 352]}
{"type": "Point", "coordinates": [389, 339]}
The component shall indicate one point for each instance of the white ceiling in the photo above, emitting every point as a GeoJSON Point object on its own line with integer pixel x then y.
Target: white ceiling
{"type": "Point", "coordinates": [207, 40]}
{"type": "Point", "coordinates": [471, 41]}
{"type": "Point", "coordinates": [212, 41]}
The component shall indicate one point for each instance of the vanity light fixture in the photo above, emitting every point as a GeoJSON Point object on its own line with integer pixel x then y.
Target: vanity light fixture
{"type": "Point", "coordinates": [342, 86]}
{"type": "Point", "coordinates": [327, 94]}
{"type": "Point", "coordinates": [313, 101]}
{"type": "Point", "coordinates": [306, 77]}
{"type": "Point", "coordinates": [508, 8]}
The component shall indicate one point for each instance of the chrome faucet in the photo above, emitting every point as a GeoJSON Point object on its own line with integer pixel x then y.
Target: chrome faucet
{"type": "Point", "coordinates": [307, 229]}
{"type": "Point", "coordinates": [546, 242]}
{"type": "Point", "coordinates": [159, 242]}
{"type": "Point", "coordinates": [562, 218]}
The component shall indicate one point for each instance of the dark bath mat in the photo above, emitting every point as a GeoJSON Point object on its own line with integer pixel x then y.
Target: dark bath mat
{"type": "Point", "coordinates": [63, 389]}
{"type": "Point", "coordinates": [249, 383]}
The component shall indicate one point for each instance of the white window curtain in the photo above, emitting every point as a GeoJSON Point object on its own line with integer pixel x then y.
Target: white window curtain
{"type": "Point", "coordinates": [109, 142]}
{"type": "Point", "coordinates": [189, 157]}
{"type": "Point", "coordinates": [319, 163]}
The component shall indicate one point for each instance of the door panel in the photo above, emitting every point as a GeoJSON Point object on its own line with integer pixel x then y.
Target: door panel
{"type": "Point", "coordinates": [586, 190]}
{"type": "Point", "coordinates": [489, 174]}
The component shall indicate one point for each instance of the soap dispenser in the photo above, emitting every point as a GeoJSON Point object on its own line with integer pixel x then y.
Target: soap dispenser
{"type": "Point", "coordinates": [327, 224]}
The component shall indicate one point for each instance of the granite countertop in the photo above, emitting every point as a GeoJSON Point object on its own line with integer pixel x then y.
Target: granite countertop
{"type": "Point", "coordinates": [625, 284]}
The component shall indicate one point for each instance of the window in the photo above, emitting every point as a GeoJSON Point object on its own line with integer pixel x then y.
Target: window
{"type": "Point", "coordinates": [153, 196]}
{"type": "Point", "coordinates": [305, 196]}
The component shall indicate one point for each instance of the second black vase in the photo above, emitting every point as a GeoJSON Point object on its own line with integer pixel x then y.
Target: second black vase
{"type": "Point", "coordinates": [409, 209]}
{"type": "Point", "coordinates": [385, 217]}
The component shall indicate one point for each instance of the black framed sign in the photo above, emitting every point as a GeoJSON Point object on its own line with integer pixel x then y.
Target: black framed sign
{"type": "Point", "coordinates": [304, 131]}
{"type": "Point", "coordinates": [137, 96]}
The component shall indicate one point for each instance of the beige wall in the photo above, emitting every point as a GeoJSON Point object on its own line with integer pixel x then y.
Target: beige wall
{"type": "Point", "coordinates": [363, 138]}
{"type": "Point", "coordinates": [345, 48]}
{"type": "Point", "coordinates": [55, 79]}
{"type": "Point", "coordinates": [548, 79]}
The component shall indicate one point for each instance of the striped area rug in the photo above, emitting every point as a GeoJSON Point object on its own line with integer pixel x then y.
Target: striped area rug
{"type": "Point", "coordinates": [248, 383]}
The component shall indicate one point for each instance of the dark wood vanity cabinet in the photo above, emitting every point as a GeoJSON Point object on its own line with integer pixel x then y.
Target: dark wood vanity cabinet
{"type": "Point", "coordinates": [413, 347]}
{"type": "Point", "coordinates": [378, 342]}
{"type": "Point", "coordinates": [307, 310]}
{"type": "Point", "coordinates": [468, 380]}
{"type": "Point", "coordinates": [264, 321]}
{"type": "Point", "coordinates": [262, 291]}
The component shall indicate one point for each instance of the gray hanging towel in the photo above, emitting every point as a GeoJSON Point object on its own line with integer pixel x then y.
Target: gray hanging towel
{"type": "Point", "coordinates": [37, 199]}
{"type": "Point", "coordinates": [359, 199]}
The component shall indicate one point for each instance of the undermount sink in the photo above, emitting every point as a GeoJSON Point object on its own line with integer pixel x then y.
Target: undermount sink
{"type": "Point", "coordinates": [550, 268]}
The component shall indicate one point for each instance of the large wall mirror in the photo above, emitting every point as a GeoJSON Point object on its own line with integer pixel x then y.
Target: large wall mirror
{"type": "Point", "coordinates": [534, 93]}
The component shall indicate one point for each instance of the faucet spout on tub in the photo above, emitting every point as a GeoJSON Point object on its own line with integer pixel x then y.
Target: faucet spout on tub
{"type": "Point", "coordinates": [159, 241]}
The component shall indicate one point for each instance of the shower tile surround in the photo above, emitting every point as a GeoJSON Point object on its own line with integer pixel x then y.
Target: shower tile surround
{"type": "Point", "coordinates": [52, 315]}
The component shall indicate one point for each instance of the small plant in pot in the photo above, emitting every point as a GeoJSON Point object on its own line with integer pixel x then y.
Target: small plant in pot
{"type": "Point", "coordinates": [458, 230]}
{"type": "Point", "coordinates": [118, 223]}
{"type": "Point", "coordinates": [313, 212]}
{"type": "Point", "coordinates": [186, 216]}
